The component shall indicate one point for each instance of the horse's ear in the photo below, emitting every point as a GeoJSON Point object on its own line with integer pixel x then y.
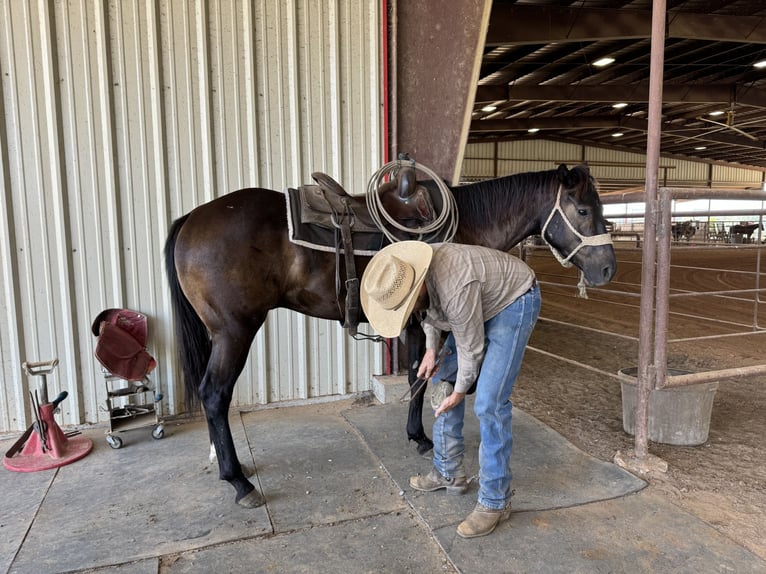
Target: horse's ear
{"type": "Point", "coordinates": [564, 176]}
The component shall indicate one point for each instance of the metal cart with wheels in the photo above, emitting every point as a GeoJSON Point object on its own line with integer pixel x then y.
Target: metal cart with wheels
{"type": "Point", "coordinates": [131, 398]}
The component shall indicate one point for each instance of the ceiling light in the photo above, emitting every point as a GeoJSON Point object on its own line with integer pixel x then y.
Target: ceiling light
{"type": "Point", "coordinates": [488, 108]}
{"type": "Point", "coordinates": [716, 113]}
{"type": "Point", "coordinates": [603, 62]}
{"type": "Point", "coordinates": [617, 134]}
{"type": "Point", "coordinates": [700, 147]}
{"type": "Point", "coordinates": [761, 64]}
{"type": "Point", "coordinates": [619, 105]}
{"type": "Point", "coordinates": [533, 130]}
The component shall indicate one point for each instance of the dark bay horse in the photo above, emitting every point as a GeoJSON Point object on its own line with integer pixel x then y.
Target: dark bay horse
{"type": "Point", "coordinates": [745, 229]}
{"type": "Point", "coordinates": [230, 261]}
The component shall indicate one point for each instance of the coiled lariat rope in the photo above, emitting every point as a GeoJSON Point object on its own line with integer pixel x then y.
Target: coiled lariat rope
{"type": "Point", "coordinates": [585, 240]}
{"type": "Point", "coordinates": [441, 229]}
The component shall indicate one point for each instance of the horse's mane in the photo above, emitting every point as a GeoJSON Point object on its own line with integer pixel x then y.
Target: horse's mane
{"type": "Point", "coordinates": [516, 194]}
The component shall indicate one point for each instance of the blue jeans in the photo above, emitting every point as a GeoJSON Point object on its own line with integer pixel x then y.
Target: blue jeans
{"type": "Point", "coordinates": [506, 336]}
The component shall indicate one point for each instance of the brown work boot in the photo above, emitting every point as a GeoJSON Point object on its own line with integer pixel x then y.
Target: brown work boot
{"type": "Point", "coordinates": [482, 521]}
{"type": "Point", "coordinates": [434, 481]}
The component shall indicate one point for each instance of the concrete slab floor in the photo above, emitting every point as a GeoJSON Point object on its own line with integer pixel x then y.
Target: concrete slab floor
{"type": "Point", "coordinates": [335, 479]}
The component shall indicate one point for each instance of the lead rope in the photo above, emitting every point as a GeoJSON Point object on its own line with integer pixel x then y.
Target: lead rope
{"type": "Point", "coordinates": [585, 240]}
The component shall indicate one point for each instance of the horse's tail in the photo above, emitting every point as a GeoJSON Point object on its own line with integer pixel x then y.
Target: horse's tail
{"type": "Point", "coordinates": [192, 338]}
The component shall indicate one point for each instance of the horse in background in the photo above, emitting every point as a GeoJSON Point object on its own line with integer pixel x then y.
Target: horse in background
{"type": "Point", "coordinates": [683, 230]}
{"type": "Point", "coordinates": [745, 229]}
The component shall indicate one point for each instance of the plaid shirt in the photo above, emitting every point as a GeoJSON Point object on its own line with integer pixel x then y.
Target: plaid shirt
{"type": "Point", "coordinates": [467, 286]}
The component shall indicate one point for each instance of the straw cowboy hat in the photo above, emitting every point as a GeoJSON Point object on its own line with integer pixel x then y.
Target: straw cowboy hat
{"type": "Point", "coordinates": [391, 283]}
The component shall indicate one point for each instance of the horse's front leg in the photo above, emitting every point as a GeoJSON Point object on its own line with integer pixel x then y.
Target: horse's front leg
{"type": "Point", "coordinates": [416, 344]}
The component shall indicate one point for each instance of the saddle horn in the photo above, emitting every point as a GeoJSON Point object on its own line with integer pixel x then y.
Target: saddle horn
{"type": "Point", "coordinates": [407, 182]}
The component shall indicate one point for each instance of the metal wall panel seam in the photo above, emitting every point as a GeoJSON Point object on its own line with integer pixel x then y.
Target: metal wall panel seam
{"type": "Point", "coordinates": [13, 387]}
{"type": "Point", "coordinates": [311, 86]}
{"type": "Point", "coordinates": [127, 185]}
{"type": "Point", "coordinates": [311, 60]}
{"type": "Point", "coordinates": [284, 67]}
{"type": "Point", "coordinates": [67, 373]}
{"type": "Point", "coordinates": [37, 316]}
{"type": "Point", "coordinates": [338, 72]}
{"type": "Point", "coordinates": [148, 240]}
{"type": "Point", "coordinates": [335, 71]}
{"type": "Point", "coordinates": [169, 123]}
{"type": "Point", "coordinates": [272, 327]}
{"type": "Point", "coordinates": [251, 100]}
{"type": "Point", "coordinates": [373, 355]}
{"type": "Point", "coordinates": [375, 39]}
{"type": "Point", "coordinates": [219, 130]}
{"type": "Point", "coordinates": [207, 141]}
{"type": "Point", "coordinates": [293, 176]}
{"type": "Point", "coordinates": [191, 121]}
{"type": "Point", "coordinates": [81, 184]}
{"type": "Point", "coordinates": [298, 370]}
{"type": "Point", "coordinates": [111, 183]}
{"type": "Point", "coordinates": [261, 368]}
{"type": "Point", "coordinates": [162, 327]}
{"type": "Point", "coordinates": [225, 114]}
{"type": "Point", "coordinates": [235, 109]}
{"type": "Point", "coordinates": [171, 116]}
{"type": "Point", "coordinates": [248, 153]}
{"type": "Point", "coordinates": [152, 241]}
{"type": "Point", "coordinates": [372, 358]}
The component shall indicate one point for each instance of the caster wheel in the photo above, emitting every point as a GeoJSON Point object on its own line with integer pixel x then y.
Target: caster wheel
{"type": "Point", "coordinates": [114, 441]}
{"type": "Point", "coordinates": [158, 432]}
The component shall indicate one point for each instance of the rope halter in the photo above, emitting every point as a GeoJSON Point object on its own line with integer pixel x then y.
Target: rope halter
{"type": "Point", "coordinates": [585, 241]}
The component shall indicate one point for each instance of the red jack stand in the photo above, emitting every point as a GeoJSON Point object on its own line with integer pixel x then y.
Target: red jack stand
{"type": "Point", "coordinates": [44, 445]}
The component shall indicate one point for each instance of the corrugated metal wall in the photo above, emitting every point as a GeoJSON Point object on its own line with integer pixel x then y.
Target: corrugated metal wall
{"type": "Point", "coordinates": [120, 116]}
{"type": "Point", "coordinates": [614, 169]}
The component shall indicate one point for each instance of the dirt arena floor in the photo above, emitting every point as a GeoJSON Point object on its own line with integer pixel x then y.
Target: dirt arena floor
{"type": "Point", "coordinates": [723, 482]}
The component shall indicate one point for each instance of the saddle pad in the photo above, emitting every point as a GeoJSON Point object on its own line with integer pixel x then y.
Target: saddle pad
{"type": "Point", "coordinates": [310, 229]}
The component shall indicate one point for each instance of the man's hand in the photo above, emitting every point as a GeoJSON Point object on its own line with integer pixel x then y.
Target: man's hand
{"type": "Point", "coordinates": [427, 364]}
{"type": "Point", "coordinates": [453, 400]}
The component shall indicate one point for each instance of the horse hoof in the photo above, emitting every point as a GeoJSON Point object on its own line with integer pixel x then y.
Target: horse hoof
{"type": "Point", "coordinates": [253, 499]}
{"type": "Point", "coordinates": [425, 448]}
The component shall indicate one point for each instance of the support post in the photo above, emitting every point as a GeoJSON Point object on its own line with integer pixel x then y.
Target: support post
{"type": "Point", "coordinates": [439, 45]}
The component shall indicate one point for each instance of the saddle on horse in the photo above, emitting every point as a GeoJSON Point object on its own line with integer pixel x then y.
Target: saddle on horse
{"type": "Point", "coordinates": [325, 217]}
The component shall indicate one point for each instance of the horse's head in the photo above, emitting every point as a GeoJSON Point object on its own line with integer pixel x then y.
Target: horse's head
{"type": "Point", "coordinates": [576, 228]}
{"type": "Point", "coordinates": [407, 201]}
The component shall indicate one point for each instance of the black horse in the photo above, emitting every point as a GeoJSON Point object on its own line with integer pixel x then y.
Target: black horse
{"type": "Point", "coordinates": [745, 230]}
{"type": "Point", "coordinates": [230, 261]}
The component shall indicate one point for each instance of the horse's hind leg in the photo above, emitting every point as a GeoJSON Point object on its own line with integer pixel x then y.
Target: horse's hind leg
{"type": "Point", "coordinates": [229, 353]}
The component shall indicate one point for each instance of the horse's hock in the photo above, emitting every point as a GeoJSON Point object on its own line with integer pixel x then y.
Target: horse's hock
{"type": "Point", "coordinates": [677, 416]}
